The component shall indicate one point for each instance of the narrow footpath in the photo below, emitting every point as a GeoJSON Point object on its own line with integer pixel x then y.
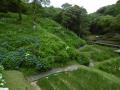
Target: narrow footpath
{"type": "Point", "coordinates": [36, 77]}
{"type": "Point", "coordinates": [33, 78]}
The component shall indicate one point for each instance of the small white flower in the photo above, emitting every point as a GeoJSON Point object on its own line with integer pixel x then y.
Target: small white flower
{"type": "Point", "coordinates": [55, 74]}
{"type": "Point", "coordinates": [97, 36]}
{"type": "Point", "coordinates": [2, 84]}
{"type": "Point", "coordinates": [67, 47]}
{"type": "Point", "coordinates": [47, 77]}
{"type": "Point", "coordinates": [3, 80]}
{"type": "Point", "coordinates": [27, 54]}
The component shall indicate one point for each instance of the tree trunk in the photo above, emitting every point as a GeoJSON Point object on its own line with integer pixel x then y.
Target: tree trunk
{"type": "Point", "coordinates": [34, 14]}
{"type": "Point", "coordinates": [20, 16]}
{"type": "Point", "coordinates": [19, 11]}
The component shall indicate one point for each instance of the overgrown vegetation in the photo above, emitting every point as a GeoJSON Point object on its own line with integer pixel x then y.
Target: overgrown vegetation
{"type": "Point", "coordinates": [105, 22]}
{"type": "Point", "coordinates": [36, 38]}
{"type": "Point", "coordinates": [44, 48]}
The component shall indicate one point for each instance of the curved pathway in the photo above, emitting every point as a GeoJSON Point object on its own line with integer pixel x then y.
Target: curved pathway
{"type": "Point", "coordinates": [36, 77]}
{"type": "Point", "coordinates": [33, 78]}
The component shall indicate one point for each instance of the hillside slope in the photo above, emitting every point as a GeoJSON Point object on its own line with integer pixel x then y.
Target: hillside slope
{"type": "Point", "coordinates": [47, 46]}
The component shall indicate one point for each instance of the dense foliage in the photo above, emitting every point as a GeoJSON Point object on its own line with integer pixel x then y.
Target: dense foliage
{"type": "Point", "coordinates": [73, 18]}
{"type": "Point", "coordinates": [106, 20]}
{"type": "Point", "coordinates": [12, 6]}
{"type": "Point", "coordinates": [110, 10]}
{"type": "Point", "coordinates": [36, 37]}
{"type": "Point", "coordinates": [115, 25]}
{"type": "Point", "coordinates": [101, 24]}
{"type": "Point", "coordinates": [51, 45]}
{"type": "Point", "coordinates": [50, 12]}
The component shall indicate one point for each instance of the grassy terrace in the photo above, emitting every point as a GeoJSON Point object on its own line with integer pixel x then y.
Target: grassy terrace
{"type": "Point", "coordinates": [43, 47]}
{"type": "Point", "coordinates": [16, 81]}
{"type": "Point", "coordinates": [111, 66]}
{"type": "Point", "coordinates": [98, 53]}
{"type": "Point", "coordinates": [49, 46]}
{"type": "Point", "coordinates": [82, 79]}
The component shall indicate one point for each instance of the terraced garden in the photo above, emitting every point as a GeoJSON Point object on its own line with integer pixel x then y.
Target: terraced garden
{"type": "Point", "coordinates": [47, 48]}
{"type": "Point", "coordinates": [104, 75]}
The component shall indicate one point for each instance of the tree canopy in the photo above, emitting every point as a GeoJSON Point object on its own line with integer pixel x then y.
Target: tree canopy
{"type": "Point", "coordinates": [110, 10]}
{"type": "Point", "coordinates": [66, 6]}
{"type": "Point", "coordinates": [101, 25]}
{"type": "Point", "coordinates": [73, 18]}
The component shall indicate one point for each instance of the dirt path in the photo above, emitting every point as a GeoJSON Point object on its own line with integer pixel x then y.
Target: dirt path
{"type": "Point", "coordinates": [56, 70]}
{"type": "Point", "coordinates": [33, 79]}
{"type": "Point", "coordinates": [35, 86]}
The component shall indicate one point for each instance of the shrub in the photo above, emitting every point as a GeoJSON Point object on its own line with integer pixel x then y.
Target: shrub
{"type": "Point", "coordinates": [27, 58]}
{"type": "Point", "coordinates": [62, 57]}
{"type": "Point", "coordinates": [20, 58]}
{"type": "Point", "coordinates": [45, 63]}
{"type": "Point", "coordinates": [84, 58]}
{"type": "Point", "coordinates": [14, 42]}
{"type": "Point", "coordinates": [3, 52]}
{"type": "Point", "coordinates": [11, 60]}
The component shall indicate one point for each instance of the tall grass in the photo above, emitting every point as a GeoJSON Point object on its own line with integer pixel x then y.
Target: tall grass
{"type": "Point", "coordinates": [96, 53]}
{"type": "Point", "coordinates": [84, 79]}
{"type": "Point", "coordinates": [111, 66]}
